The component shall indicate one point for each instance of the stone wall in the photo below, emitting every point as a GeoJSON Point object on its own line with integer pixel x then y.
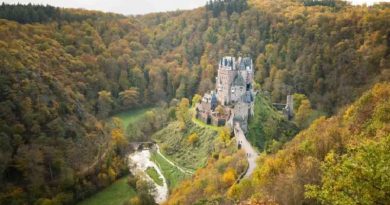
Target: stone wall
{"type": "Point", "coordinates": [237, 93]}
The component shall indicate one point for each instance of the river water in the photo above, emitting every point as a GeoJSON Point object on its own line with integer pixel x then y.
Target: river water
{"type": "Point", "coordinates": [139, 161]}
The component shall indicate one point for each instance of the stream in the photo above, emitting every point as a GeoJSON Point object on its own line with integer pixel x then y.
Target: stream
{"type": "Point", "coordinates": [139, 161]}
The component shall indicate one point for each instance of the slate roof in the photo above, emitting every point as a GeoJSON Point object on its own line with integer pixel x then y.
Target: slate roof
{"type": "Point", "coordinates": [238, 80]}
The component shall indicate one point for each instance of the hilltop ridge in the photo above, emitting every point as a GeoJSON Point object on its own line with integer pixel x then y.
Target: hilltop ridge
{"type": "Point", "coordinates": [60, 78]}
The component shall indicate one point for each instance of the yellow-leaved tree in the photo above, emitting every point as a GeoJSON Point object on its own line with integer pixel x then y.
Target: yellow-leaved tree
{"type": "Point", "coordinates": [193, 139]}
{"type": "Point", "coordinates": [224, 135]}
{"type": "Point", "coordinates": [229, 177]}
{"type": "Point", "coordinates": [117, 134]}
{"type": "Point", "coordinates": [183, 113]}
{"type": "Point", "coordinates": [196, 99]}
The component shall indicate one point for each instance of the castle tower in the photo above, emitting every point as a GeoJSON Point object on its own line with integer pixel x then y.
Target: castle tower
{"type": "Point", "coordinates": [290, 107]}
{"type": "Point", "coordinates": [235, 77]}
{"type": "Point", "coordinates": [226, 74]}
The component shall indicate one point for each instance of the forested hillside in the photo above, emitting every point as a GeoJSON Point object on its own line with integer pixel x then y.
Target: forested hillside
{"type": "Point", "coordinates": [59, 83]}
{"type": "Point", "coordinates": [339, 160]}
{"type": "Point", "coordinates": [268, 129]}
{"type": "Point", "coordinates": [331, 54]}
{"type": "Point", "coordinates": [63, 72]}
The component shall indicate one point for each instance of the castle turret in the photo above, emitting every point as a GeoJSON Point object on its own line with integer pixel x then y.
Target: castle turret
{"type": "Point", "coordinates": [228, 63]}
{"type": "Point", "coordinates": [289, 109]}
{"type": "Point", "coordinates": [213, 101]}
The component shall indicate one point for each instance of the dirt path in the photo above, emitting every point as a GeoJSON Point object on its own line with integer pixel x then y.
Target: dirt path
{"type": "Point", "coordinates": [251, 153]}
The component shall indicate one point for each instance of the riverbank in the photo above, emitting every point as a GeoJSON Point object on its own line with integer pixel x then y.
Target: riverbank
{"type": "Point", "coordinates": [119, 191]}
{"type": "Point", "coordinates": [139, 162]}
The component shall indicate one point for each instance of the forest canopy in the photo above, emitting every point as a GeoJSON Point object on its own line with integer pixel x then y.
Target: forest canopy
{"type": "Point", "coordinates": [63, 72]}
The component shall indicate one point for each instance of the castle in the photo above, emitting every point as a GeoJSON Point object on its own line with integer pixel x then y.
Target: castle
{"type": "Point", "coordinates": [233, 99]}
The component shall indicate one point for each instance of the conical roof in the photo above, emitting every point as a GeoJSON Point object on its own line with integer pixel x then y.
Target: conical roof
{"type": "Point", "coordinates": [238, 80]}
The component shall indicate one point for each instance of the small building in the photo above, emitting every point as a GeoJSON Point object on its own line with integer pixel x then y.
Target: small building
{"type": "Point", "coordinates": [287, 109]}
{"type": "Point", "coordinates": [220, 116]}
{"type": "Point", "coordinates": [206, 107]}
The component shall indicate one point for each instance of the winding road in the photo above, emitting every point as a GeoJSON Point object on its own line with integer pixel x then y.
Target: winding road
{"type": "Point", "coordinates": [251, 153]}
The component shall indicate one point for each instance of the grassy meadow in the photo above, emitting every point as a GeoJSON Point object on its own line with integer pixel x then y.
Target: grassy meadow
{"type": "Point", "coordinates": [171, 173]}
{"type": "Point", "coordinates": [175, 145]}
{"type": "Point", "coordinates": [152, 172]}
{"type": "Point", "coordinates": [115, 194]}
{"type": "Point", "coordinates": [131, 116]}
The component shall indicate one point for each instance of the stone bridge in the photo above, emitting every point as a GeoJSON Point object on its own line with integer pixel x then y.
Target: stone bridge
{"type": "Point", "coordinates": [142, 145]}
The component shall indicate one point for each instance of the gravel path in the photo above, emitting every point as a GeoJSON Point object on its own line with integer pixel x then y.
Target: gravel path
{"type": "Point", "coordinates": [251, 153]}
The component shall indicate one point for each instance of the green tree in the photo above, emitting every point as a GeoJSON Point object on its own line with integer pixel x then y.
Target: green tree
{"type": "Point", "coordinates": [298, 98]}
{"type": "Point", "coordinates": [358, 177]}
{"type": "Point", "coordinates": [123, 80]}
{"type": "Point", "coordinates": [104, 104]}
{"type": "Point", "coordinates": [303, 114]}
{"type": "Point", "coordinates": [211, 36]}
{"type": "Point", "coordinates": [196, 99]}
{"type": "Point", "coordinates": [129, 97]}
{"type": "Point", "coordinates": [181, 90]}
{"type": "Point", "coordinates": [193, 138]}
{"type": "Point", "coordinates": [183, 112]}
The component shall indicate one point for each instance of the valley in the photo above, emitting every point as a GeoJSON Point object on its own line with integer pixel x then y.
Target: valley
{"type": "Point", "coordinates": [147, 163]}
{"type": "Point", "coordinates": [235, 102]}
{"type": "Point", "coordinates": [119, 191]}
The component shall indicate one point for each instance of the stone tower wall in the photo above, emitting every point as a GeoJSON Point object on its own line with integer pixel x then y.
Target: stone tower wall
{"type": "Point", "coordinates": [224, 81]}
{"type": "Point", "coordinates": [239, 91]}
{"type": "Point", "coordinates": [228, 69]}
{"type": "Point", "coordinates": [241, 110]}
{"type": "Point", "coordinates": [290, 106]}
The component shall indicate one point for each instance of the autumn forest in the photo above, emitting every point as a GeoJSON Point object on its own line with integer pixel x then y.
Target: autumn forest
{"type": "Point", "coordinates": [80, 88]}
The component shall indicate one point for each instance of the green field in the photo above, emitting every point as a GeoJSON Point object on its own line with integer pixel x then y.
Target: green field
{"type": "Point", "coordinates": [115, 194]}
{"type": "Point", "coordinates": [152, 172]}
{"type": "Point", "coordinates": [172, 174]}
{"type": "Point", "coordinates": [131, 116]}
